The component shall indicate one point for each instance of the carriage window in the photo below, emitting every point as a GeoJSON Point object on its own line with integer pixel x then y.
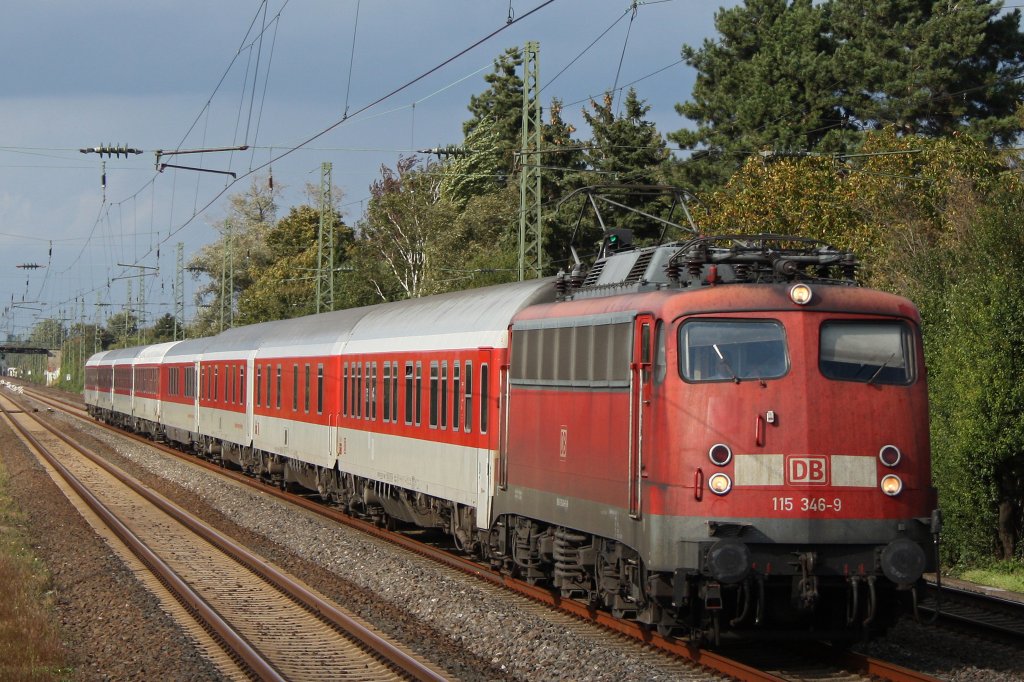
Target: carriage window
{"type": "Point", "coordinates": [357, 390]}
{"type": "Point", "coordinates": [456, 396]}
{"type": "Point", "coordinates": [868, 352]}
{"type": "Point", "coordinates": [444, 395]}
{"type": "Point", "coordinates": [241, 385]}
{"type": "Point", "coordinates": [268, 385]}
{"type": "Point", "coordinates": [259, 384]}
{"type": "Point", "coordinates": [278, 393]}
{"type": "Point", "coordinates": [468, 413]}
{"type": "Point", "coordinates": [305, 395]}
{"type": "Point", "coordinates": [408, 393]}
{"type": "Point", "coordinates": [732, 350]}
{"type": "Point", "coordinates": [295, 387]}
{"type": "Point", "coordinates": [387, 391]}
{"type": "Point", "coordinates": [419, 391]}
{"type": "Point", "coordinates": [372, 393]}
{"type": "Point", "coordinates": [394, 392]}
{"type": "Point", "coordinates": [433, 395]}
{"type": "Point", "coordinates": [344, 390]}
{"type": "Point", "coordinates": [319, 388]}
{"type": "Point", "coordinates": [483, 398]}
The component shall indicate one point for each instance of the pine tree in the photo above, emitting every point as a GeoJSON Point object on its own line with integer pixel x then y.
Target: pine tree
{"type": "Point", "coordinates": [763, 84]}
{"type": "Point", "coordinates": [931, 68]}
{"type": "Point", "coordinates": [627, 149]}
{"type": "Point", "coordinates": [794, 75]}
{"type": "Point", "coordinates": [501, 104]}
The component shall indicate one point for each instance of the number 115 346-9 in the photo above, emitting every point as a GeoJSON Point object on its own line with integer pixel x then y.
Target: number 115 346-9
{"type": "Point", "coordinates": [806, 504]}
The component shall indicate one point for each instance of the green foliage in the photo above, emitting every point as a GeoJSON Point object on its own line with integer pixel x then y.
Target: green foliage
{"type": "Point", "coordinates": [406, 216]}
{"type": "Point", "coordinates": [1005, 575]}
{"type": "Point", "coordinates": [238, 256]}
{"type": "Point", "coordinates": [286, 287]}
{"type": "Point", "coordinates": [48, 333]}
{"type": "Point", "coordinates": [480, 171]}
{"type": "Point", "coordinates": [501, 104]}
{"type": "Point", "coordinates": [564, 162]}
{"type": "Point", "coordinates": [803, 76]}
{"type": "Point", "coordinates": [928, 68]}
{"type": "Point", "coordinates": [977, 393]}
{"type": "Point", "coordinates": [481, 246]}
{"type": "Point", "coordinates": [163, 330]}
{"type": "Point", "coordinates": [763, 84]}
{"type": "Point", "coordinates": [122, 329]}
{"type": "Point", "coordinates": [625, 149]}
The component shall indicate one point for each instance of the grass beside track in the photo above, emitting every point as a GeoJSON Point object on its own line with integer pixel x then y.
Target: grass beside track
{"type": "Point", "coordinates": [1006, 575]}
{"type": "Point", "coordinates": [30, 644]}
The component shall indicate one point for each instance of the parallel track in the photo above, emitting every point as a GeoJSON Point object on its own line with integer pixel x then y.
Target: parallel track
{"type": "Point", "coordinates": [981, 611]}
{"type": "Point", "coordinates": [271, 626]}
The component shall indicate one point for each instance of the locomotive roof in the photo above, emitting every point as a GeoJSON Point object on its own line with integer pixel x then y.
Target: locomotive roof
{"type": "Point", "coordinates": [725, 299]}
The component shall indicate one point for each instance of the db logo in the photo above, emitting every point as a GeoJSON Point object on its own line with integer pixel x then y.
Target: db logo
{"type": "Point", "coordinates": [807, 470]}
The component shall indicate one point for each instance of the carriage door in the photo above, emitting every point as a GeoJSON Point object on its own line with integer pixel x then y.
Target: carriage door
{"type": "Point", "coordinates": [639, 403]}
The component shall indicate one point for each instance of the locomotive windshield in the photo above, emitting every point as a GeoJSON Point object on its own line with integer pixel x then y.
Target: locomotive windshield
{"type": "Point", "coordinates": [732, 350]}
{"type": "Point", "coordinates": [869, 352]}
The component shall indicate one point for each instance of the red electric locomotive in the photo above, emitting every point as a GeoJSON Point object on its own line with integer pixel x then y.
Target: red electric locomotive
{"type": "Point", "coordinates": [720, 435]}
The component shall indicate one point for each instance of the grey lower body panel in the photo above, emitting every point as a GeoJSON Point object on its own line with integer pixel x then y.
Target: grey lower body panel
{"type": "Point", "coordinates": [670, 543]}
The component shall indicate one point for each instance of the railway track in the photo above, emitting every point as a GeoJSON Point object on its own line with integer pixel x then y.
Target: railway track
{"type": "Point", "coordinates": [753, 664]}
{"type": "Point", "coordinates": [979, 609]}
{"type": "Point", "coordinates": [266, 624]}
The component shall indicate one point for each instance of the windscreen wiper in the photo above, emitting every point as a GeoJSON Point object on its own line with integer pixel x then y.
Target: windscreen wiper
{"type": "Point", "coordinates": [879, 370]}
{"type": "Point", "coordinates": [725, 362]}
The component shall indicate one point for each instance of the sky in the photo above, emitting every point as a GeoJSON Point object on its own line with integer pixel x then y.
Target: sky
{"type": "Point", "coordinates": [357, 83]}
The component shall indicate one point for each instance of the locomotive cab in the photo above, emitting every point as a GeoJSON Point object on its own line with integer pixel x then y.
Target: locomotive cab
{"type": "Point", "coordinates": [810, 463]}
{"type": "Point", "coordinates": [720, 440]}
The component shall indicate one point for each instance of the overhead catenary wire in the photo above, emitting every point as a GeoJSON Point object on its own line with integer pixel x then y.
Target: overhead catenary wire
{"type": "Point", "coordinates": [286, 151]}
{"type": "Point", "coordinates": [352, 57]}
{"type": "Point", "coordinates": [625, 43]}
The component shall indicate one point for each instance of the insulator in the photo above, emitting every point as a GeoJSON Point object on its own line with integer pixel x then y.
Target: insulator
{"type": "Point", "coordinates": [560, 283]}
{"type": "Point", "coordinates": [694, 267]}
{"type": "Point", "coordinates": [672, 270]}
{"type": "Point", "coordinates": [741, 272]}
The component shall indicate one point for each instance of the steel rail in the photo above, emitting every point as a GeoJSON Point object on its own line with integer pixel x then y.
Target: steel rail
{"type": "Point", "coordinates": [232, 642]}
{"type": "Point", "coordinates": [298, 592]}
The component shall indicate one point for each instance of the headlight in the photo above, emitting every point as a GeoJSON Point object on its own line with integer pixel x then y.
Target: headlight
{"type": "Point", "coordinates": [720, 454]}
{"type": "Point", "coordinates": [719, 483]}
{"type": "Point", "coordinates": [800, 294]}
{"type": "Point", "coordinates": [891, 485]}
{"type": "Point", "coordinates": [889, 455]}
